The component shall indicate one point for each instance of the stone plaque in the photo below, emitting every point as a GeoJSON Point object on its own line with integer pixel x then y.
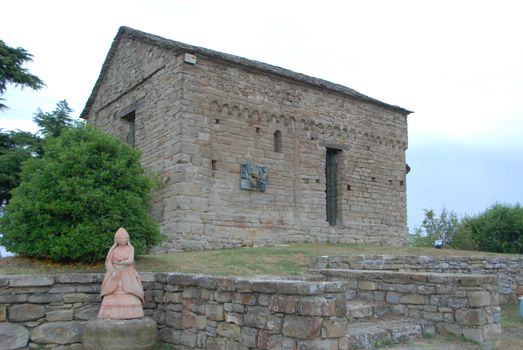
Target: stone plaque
{"type": "Point", "coordinates": [253, 177]}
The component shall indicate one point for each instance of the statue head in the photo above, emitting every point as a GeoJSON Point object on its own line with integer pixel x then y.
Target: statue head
{"type": "Point", "coordinates": [121, 237]}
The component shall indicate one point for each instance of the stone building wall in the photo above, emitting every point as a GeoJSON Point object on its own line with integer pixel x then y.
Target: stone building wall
{"type": "Point", "coordinates": [197, 123]}
{"type": "Point", "coordinates": [507, 269]}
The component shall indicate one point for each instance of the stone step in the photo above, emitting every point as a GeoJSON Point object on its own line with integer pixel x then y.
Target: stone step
{"type": "Point", "coordinates": [379, 333]}
{"type": "Point", "coordinates": [363, 309]}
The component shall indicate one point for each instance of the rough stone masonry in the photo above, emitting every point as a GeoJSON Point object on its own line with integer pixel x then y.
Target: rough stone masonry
{"type": "Point", "coordinates": [250, 153]}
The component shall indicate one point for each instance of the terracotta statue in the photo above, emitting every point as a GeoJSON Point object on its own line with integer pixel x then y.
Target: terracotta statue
{"type": "Point", "coordinates": [122, 292]}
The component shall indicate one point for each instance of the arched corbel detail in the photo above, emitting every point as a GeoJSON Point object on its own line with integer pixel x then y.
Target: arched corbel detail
{"type": "Point", "coordinates": [224, 112]}
{"type": "Point", "coordinates": [245, 114]}
{"type": "Point", "coordinates": [235, 111]}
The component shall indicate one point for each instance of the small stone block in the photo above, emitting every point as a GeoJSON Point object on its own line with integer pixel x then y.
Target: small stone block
{"type": "Point", "coordinates": [31, 281]}
{"type": "Point", "coordinates": [135, 334]}
{"type": "Point", "coordinates": [59, 333]}
{"type": "Point", "coordinates": [491, 331]}
{"type": "Point", "coordinates": [25, 312]}
{"type": "Point", "coordinates": [248, 336]}
{"type": "Point", "coordinates": [474, 334]}
{"type": "Point", "coordinates": [367, 285]}
{"type": "Point", "coordinates": [229, 330]}
{"type": "Point", "coordinates": [13, 336]}
{"type": "Point", "coordinates": [214, 312]}
{"type": "Point", "coordinates": [59, 315]}
{"type": "Point", "coordinates": [334, 327]}
{"type": "Point", "coordinates": [478, 299]}
{"type": "Point", "coordinates": [471, 317]}
{"type": "Point", "coordinates": [413, 299]}
{"type": "Point", "coordinates": [302, 327]}
{"type": "Point", "coordinates": [3, 313]}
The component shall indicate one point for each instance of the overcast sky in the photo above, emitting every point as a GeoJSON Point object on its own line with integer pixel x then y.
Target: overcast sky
{"type": "Point", "coordinates": [457, 64]}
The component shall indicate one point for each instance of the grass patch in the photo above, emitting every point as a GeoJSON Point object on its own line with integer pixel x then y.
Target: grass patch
{"type": "Point", "coordinates": [510, 317]}
{"type": "Point", "coordinates": [273, 260]}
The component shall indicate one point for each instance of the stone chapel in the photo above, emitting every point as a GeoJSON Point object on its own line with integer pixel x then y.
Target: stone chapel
{"type": "Point", "coordinates": [249, 153]}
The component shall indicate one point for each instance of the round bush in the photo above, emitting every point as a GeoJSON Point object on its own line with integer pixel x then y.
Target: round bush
{"type": "Point", "coordinates": [498, 229]}
{"type": "Point", "coordinates": [72, 200]}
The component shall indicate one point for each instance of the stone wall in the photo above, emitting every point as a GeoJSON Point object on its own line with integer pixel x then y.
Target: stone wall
{"type": "Point", "coordinates": [206, 312]}
{"type": "Point", "coordinates": [192, 311]}
{"type": "Point", "coordinates": [507, 269]}
{"type": "Point", "coordinates": [461, 305]}
{"type": "Point", "coordinates": [241, 313]}
{"type": "Point", "coordinates": [197, 123]}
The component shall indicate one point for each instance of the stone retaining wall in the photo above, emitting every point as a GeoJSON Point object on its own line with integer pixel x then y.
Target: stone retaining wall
{"type": "Point", "coordinates": [206, 312]}
{"type": "Point", "coordinates": [192, 311]}
{"type": "Point", "coordinates": [47, 309]}
{"type": "Point", "coordinates": [508, 269]}
{"type": "Point", "coordinates": [462, 305]}
{"type": "Point", "coordinates": [242, 313]}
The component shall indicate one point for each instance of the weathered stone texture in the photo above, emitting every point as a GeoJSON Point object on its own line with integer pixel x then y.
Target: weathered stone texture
{"type": "Point", "coordinates": [25, 312]}
{"type": "Point", "coordinates": [196, 125]}
{"type": "Point", "coordinates": [506, 272]}
{"type": "Point", "coordinates": [136, 334]}
{"type": "Point", "coordinates": [302, 327]}
{"type": "Point", "coordinates": [59, 315]}
{"type": "Point", "coordinates": [31, 281]}
{"type": "Point", "coordinates": [13, 336]}
{"type": "Point", "coordinates": [3, 313]}
{"type": "Point", "coordinates": [87, 312]}
{"type": "Point", "coordinates": [58, 332]}
{"type": "Point", "coordinates": [448, 303]}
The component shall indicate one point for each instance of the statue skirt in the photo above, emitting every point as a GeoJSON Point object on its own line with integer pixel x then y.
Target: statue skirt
{"type": "Point", "coordinates": [121, 307]}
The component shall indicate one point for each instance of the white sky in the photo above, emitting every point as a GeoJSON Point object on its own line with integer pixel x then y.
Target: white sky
{"type": "Point", "coordinates": [457, 64]}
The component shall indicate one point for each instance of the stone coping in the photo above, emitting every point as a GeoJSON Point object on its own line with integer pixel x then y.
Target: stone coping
{"type": "Point", "coordinates": [262, 284]}
{"type": "Point", "coordinates": [426, 258]}
{"type": "Point", "coordinates": [400, 276]}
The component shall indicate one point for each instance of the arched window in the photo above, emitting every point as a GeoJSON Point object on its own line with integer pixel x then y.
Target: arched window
{"type": "Point", "coordinates": [277, 141]}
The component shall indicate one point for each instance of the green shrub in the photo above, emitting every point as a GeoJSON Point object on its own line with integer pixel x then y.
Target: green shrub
{"type": "Point", "coordinates": [498, 229]}
{"type": "Point", "coordinates": [72, 200]}
{"type": "Point", "coordinates": [433, 227]}
{"type": "Point", "coordinates": [463, 238]}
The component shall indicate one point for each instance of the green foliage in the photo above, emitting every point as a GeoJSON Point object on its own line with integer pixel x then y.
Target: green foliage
{"type": "Point", "coordinates": [18, 146]}
{"type": "Point", "coordinates": [15, 148]}
{"type": "Point", "coordinates": [11, 71]}
{"type": "Point", "coordinates": [72, 200]}
{"type": "Point", "coordinates": [510, 317]}
{"type": "Point", "coordinates": [443, 226]}
{"type": "Point", "coordinates": [160, 345]}
{"type": "Point", "coordinates": [463, 238]}
{"type": "Point", "coordinates": [52, 123]}
{"type": "Point", "coordinates": [498, 229]}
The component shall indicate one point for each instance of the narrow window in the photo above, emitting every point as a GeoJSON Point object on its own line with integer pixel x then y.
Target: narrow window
{"type": "Point", "coordinates": [131, 131]}
{"type": "Point", "coordinates": [277, 141]}
{"type": "Point", "coordinates": [331, 185]}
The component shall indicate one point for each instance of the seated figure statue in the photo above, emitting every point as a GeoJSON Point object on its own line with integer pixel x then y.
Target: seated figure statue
{"type": "Point", "coordinates": [122, 292]}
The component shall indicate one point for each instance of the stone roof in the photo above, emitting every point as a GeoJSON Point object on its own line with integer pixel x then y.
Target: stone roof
{"type": "Point", "coordinates": [232, 59]}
